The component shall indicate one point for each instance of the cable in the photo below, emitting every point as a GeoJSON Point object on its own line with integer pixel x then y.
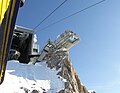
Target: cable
{"type": "Point", "coordinates": [72, 15]}
{"type": "Point", "coordinates": [49, 15]}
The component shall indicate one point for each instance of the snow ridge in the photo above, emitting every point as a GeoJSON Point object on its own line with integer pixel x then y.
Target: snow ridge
{"type": "Point", "coordinates": [28, 78]}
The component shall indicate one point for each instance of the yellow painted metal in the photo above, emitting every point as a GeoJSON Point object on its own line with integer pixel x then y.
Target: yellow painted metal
{"type": "Point", "coordinates": [3, 8]}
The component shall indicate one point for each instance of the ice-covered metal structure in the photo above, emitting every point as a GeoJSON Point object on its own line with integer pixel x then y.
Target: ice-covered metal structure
{"type": "Point", "coordinates": [23, 46]}
{"type": "Point", "coordinates": [59, 48]}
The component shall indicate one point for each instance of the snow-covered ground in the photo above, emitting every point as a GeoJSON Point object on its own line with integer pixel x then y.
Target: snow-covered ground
{"type": "Point", "coordinates": [27, 77]}
{"type": "Point", "coordinates": [91, 91]}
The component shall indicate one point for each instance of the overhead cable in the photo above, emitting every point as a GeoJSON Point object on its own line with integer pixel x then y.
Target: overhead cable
{"type": "Point", "coordinates": [49, 14]}
{"type": "Point", "coordinates": [72, 15]}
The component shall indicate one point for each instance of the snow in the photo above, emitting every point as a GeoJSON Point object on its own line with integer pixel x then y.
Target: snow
{"type": "Point", "coordinates": [35, 38]}
{"type": "Point", "coordinates": [91, 91]}
{"type": "Point", "coordinates": [27, 77]}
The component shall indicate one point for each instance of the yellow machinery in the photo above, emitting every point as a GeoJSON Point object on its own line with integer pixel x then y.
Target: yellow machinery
{"type": "Point", "coordinates": [8, 15]}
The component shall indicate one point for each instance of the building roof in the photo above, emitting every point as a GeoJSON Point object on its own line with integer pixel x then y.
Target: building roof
{"type": "Point", "coordinates": [23, 29]}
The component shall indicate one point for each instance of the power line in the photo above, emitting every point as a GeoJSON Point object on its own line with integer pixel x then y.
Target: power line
{"type": "Point", "coordinates": [72, 15]}
{"type": "Point", "coordinates": [49, 14]}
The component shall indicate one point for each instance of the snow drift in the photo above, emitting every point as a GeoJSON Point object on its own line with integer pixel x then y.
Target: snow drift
{"type": "Point", "coordinates": [28, 78]}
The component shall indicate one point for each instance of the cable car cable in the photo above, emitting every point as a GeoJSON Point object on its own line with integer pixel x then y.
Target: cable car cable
{"type": "Point", "coordinates": [49, 14]}
{"type": "Point", "coordinates": [72, 15]}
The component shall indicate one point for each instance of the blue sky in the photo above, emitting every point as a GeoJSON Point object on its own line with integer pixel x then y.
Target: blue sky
{"type": "Point", "coordinates": [96, 58]}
